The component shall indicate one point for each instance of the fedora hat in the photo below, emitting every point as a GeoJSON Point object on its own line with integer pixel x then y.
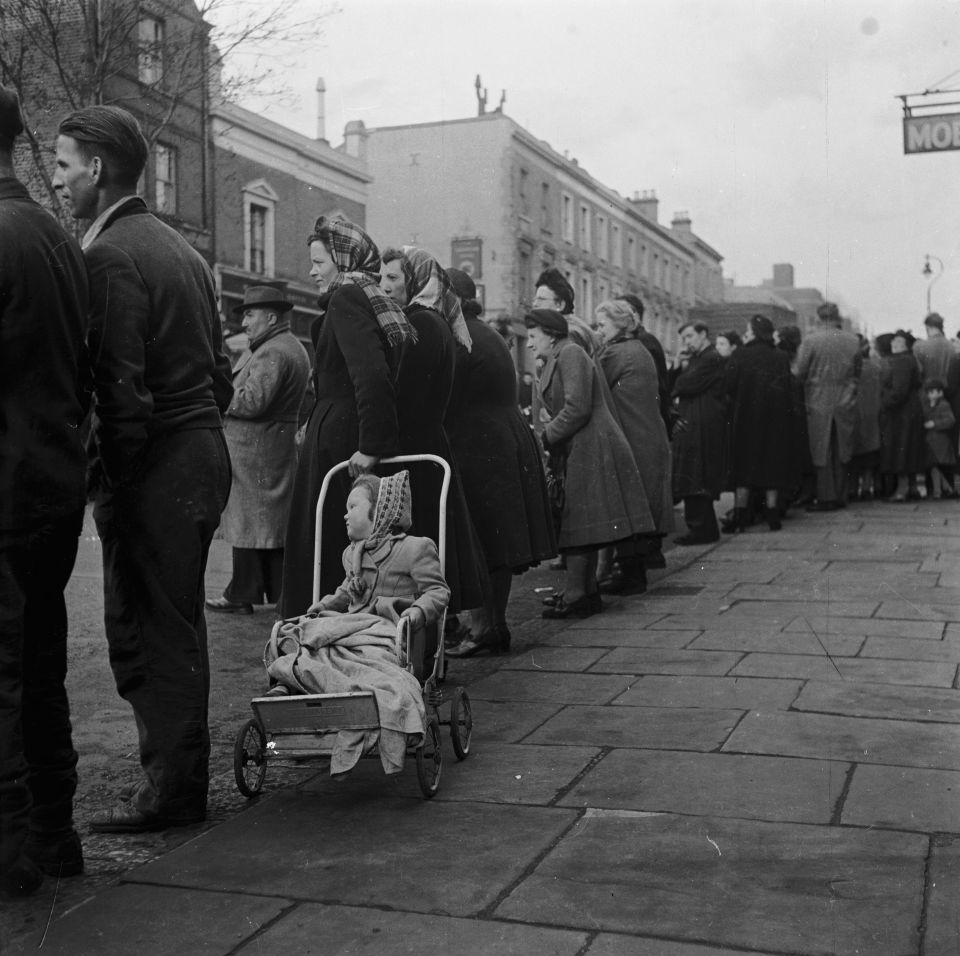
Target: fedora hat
{"type": "Point", "coordinates": [262, 297]}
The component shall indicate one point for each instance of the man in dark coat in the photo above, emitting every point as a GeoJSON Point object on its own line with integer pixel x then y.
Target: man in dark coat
{"type": "Point", "coordinates": [828, 365]}
{"type": "Point", "coordinates": [163, 474]}
{"type": "Point", "coordinates": [763, 446]}
{"type": "Point", "coordinates": [699, 436]}
{"type": "Point", "coordinates": [43, 323]}
{"type": "Point", "coordinates": [269, 384]}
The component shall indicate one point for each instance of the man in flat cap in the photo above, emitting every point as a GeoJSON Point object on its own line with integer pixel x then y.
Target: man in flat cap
{"type": "Point", "coordinates": [828, 366]}
{"type": "Point", "coordinates": [269, 383]}
{"type": "Point", "coordinates": [162, 473]}
{"type": "Point", "coordinates": [43, 324]}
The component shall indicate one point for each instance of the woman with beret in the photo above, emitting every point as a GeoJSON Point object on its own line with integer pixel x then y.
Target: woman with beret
{"type": "Point", "coordinates": [501, 468]}
{"type": "Point", "coordinates": [631, 375]}
{"type": "Point", "coordinates": [418, 284]}
{"type": "Point", "coordinates": [355, 415]}
{"type": "Point", "coordinates": [605, 502]}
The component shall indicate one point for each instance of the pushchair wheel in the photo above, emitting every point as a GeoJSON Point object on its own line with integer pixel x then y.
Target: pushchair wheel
{"type": "Point", "coordinates": [250, 758]}
{"type": "Point", "coordinates": [461, 723]}
{"type": "Point", "coordinates": [430, 758]}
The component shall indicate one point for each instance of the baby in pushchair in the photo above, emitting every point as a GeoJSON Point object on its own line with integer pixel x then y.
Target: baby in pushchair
{"type": "Point", "coordinates": [390, 575]}
{"type": "Point", "coordinates": [347, 641]}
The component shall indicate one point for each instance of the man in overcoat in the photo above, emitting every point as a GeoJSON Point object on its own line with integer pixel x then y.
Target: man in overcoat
{"type": "Point", "coordinates": [269, 384]}
{"type": "Point", "coordinates": [698, 437]}
{"type": "Point", "coordinates": [828, 366]}
{"type": "Point", "coordinates": [162, 473]}
{"type": "Point", "coordinates": [43, 324]}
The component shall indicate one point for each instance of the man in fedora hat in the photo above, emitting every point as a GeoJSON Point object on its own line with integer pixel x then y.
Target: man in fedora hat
{"type": "Point", "coordinates": [162, 473]}
{"type": "Point", "coordinates": [269, 383]}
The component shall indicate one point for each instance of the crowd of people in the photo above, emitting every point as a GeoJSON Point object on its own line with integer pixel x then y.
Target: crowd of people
{"type": "Point", "coordinates": [120, 337]}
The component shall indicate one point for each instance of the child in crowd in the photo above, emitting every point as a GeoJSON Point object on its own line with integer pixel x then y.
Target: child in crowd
{"type": "Point", "coordinates": [389, 574]}
{"type": "Point", "coordinates": [938, 420]}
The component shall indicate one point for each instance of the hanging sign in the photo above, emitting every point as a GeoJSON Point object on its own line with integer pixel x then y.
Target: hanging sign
{"type": "Point", "coordinates": [933, 133]}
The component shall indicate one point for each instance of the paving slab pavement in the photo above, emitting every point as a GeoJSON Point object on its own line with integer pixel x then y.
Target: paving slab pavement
{"type": "Point", "coordinates": [763, 760]}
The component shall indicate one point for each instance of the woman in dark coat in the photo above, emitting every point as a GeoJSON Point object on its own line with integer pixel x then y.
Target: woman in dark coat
{"type": "Point", "coordinates": [417, 282]}
{"type": "Point", "coordinates": [355, 415]}
{"type": "Point", "coordinates": [605, 502]}
{"type": "Point", "coordinates": [763, 443]}
{"type": "Point", "coordinates": [631, 374]}
{"type": "Point", "coordinates": [901, 423]}
{"type": "Point", "coordinates": [501, 468]}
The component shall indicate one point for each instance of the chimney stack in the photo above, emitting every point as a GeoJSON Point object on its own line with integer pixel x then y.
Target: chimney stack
{"type": "Point", "coordinates": [647, 203]}
{"type": "Point", "coordinates": [682, 224]}
{"type": "Point", "coordinates": [355, 140]}
{"type": "Point", "coordinates": [783, 275]}
{"type": "Point", "coordinates": [321, 110]}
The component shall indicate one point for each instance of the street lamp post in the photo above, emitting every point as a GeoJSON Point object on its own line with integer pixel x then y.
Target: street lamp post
{"type": "Point", "coordinates": [927, 271]}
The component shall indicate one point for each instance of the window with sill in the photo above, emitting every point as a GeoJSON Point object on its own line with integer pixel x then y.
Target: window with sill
{"type": "Point", "coordinates": [259, 224]}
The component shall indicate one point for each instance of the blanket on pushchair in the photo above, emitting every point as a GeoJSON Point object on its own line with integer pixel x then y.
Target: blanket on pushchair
{"type": "Point", "coordinates": [327, 652]}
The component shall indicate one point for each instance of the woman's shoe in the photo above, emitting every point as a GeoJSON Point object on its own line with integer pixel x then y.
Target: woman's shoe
{"type": "Point", "coordinates": [772, 518]}
{"type": "Point", "coordinates": [582, 607]}
{"type": "Point", "coordinates": [225, 606]}
{"type": "Point", "coordinates": [489, 642]}
{"type": "Point", "coordinates": [503, 632]}
{"type": "Point", "coordinates": [551, 599]}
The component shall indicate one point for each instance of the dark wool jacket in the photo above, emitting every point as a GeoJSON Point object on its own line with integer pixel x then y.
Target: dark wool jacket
{"type": "Point", "coordinates": [155, 337]}
{"type": "Point", "coordinates": [43, 324]}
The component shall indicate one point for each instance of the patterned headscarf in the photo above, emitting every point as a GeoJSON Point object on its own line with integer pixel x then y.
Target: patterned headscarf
{"type": "Point", "coordinates": [429, 285]}
{"type": "Point", "coordinates": [392, 516]}
{"type": "Point", "coordinates": [356, 255]}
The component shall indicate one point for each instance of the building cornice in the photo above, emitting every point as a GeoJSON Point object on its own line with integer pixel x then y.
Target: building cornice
{"type": "Point", "coordinates": [277, 147]}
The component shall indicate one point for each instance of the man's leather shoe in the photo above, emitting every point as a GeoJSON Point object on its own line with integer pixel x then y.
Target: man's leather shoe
{"type": "Point", "coordinates": [59, 856]}
{"type": "Point", "coordinates": [224, 606]}
{"type": "Point", "coordinates": [127, 819]}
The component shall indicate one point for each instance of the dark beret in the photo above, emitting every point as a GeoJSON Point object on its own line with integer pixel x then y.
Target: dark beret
{"type": "Point", "coordinates": [11, 120]}
{"type": "Point", "coordinates": [462, 284]}
{"type": "Point", "coordinates": [557, 283]}
{"type": "Point", "coordinates": [633, 301]}
{"type": "Point", "coordinates": [548, 320]}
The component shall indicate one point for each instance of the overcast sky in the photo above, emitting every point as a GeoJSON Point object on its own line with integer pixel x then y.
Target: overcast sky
{"type": "Point", "coordinates": [774, 123]}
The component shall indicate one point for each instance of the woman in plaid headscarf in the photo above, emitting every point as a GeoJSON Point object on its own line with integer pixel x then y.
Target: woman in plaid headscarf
{"type": "Point", "coordinates": [420, 285]}
{"type": "Point", "coordinates": [356, 342]}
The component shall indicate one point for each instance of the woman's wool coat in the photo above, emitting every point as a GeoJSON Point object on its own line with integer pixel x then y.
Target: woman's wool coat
{"type": "Point", "coordinates": [901, 423]}
{"type": "Point", "coordinates": [355, 408]}
{"type": "Point", "coordinates": [424, 385]}
{"type": "Point", "coordinates": [698, 445]}
{"type": "Point", "coordinates": [631, 375]}
{"type": "Point", "coordinates": [763, 444]}
{"type": "Point", "coordinates": [605, 500]}
{"type": "Point", "coordinates": [260, 426]}
{"type": "Point", "coordinates": [498, 455]}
